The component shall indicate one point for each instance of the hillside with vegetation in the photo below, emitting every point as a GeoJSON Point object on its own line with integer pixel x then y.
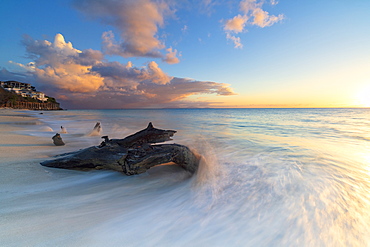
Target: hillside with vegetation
{"type": "Point", "coordinates": [6, 96]}
{"type": "Point", "coordinates": [11, 99]}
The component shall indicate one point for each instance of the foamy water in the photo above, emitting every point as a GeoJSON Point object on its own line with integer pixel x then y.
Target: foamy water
{"type": "Point", "coordinates": [269, 177]}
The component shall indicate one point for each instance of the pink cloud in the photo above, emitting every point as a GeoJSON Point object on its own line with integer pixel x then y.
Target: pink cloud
{"type": "Point", "coordinates": [137, 23]}
{"type": "Point", "coordinates": [253, 15]}
{"type": "Point", "coordinates": [61, 66]}
{"type": "Point", "coordinates": [171, 56]}
{"type": "Point", "coordinates": [83, 79]}
{"type": "Point", "coordinates": [236, 24]}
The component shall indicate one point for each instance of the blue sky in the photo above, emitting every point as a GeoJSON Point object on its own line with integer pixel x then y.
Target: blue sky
{"type": "Point", "coordinates": [246, 53]}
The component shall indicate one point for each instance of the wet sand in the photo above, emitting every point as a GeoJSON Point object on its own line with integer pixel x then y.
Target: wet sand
{"type": "Point", "coordinates": [16, 139]}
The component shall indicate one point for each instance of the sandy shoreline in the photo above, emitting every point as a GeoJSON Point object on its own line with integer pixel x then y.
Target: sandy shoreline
{"type": "Point", "coordinates": [16, 140]}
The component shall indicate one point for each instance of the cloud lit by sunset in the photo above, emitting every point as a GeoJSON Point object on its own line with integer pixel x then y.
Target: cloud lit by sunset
{"type": "Point", "coordinates": [83, 77]}
{"type": "Point", "coordinates": [269, 101]}
{"type": "Point", "coordinates": [147, 53]}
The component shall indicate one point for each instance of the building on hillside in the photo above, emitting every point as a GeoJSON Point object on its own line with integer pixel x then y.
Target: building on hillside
{"type": "Point", "coordinates": [24, 89]}
{"type": "Point", "coordinates": [33, 94]}
{"type": "Point", "coordinates": [16, 85]}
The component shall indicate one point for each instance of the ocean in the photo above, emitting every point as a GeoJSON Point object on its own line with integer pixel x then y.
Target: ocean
{"type": "Point", "coordinates": [268, 177]}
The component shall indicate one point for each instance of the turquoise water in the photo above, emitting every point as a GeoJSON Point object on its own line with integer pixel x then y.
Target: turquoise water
{"type": "Point", "coordinates": [269, 177]}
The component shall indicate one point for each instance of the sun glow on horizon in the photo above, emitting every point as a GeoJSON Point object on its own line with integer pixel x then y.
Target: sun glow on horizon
{"type": "Point", "coordinates": [363, 97]}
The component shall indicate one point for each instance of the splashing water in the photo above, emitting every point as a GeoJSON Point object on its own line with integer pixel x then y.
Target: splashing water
{"type": "Point", "coordinates": [97, 130]}
{"type": "Point", "coordinates": [268, 177]}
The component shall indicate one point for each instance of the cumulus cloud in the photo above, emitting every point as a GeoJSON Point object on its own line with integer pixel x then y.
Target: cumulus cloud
{"type": "Point", "coordinates": [23, 76]}
{"type": "Point", "coordinates": [137, 23]}
{"type": "Point", "coordinates": [146, 94]}
{"type": "Point", "coordinates": [83, 79]}
{"type": "Point", "coordinates": [235, 40]}
{"type": "Point", "coordinates": [253, 14]}
{"type": "Point", "coordinates": [128, 76]}
{"type": "Point", "coordinates": [150, 86]}
{"type": "Point", "coordinates": [171, 56]}
{"type": "Point", "coordinates": [27, 67]}
{"type": "Point", "coordinates": [264, 19]}
{"type": "Point", "coordinates": [57, 64]}
{"type": "Point", "coordinates": [253, 9]}
{"type": "Point", "coordinates": [236, 24]}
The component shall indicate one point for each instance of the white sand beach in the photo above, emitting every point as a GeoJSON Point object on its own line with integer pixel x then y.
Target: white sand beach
{"type": "Point", "coordinates": [43, 206]}
{"type": "Point", "coordinates": [21, 149]}
{"type": "Point", "coordinates": [15, 146]}
{"type": "Point", "coordinates": [32, 211]}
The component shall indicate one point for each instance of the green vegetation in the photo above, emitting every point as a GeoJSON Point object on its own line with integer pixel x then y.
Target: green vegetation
{"type": "Point", "coordinates": [6, 96]}
{"type": "Point", "coordinates": [10, 98]}
{"type": "Point", "coordinates": [51, 99]}
{"type": "Point", "coordinates": [29, 99]}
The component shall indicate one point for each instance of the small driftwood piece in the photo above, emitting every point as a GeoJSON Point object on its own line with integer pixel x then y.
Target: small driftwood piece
{"type": "Point", "coordinates": [132, 155]}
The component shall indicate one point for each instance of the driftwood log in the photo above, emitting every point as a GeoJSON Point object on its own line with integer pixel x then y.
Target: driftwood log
{"type": "Point", "coordinates": [132, 155]}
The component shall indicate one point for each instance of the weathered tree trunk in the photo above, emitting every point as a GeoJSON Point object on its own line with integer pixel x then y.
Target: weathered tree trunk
{"type": "Point", "coordinates": [131, 155]}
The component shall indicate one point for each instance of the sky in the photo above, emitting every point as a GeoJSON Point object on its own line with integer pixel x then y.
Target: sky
{"type": "Point", "coordinates": [115, 54]}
